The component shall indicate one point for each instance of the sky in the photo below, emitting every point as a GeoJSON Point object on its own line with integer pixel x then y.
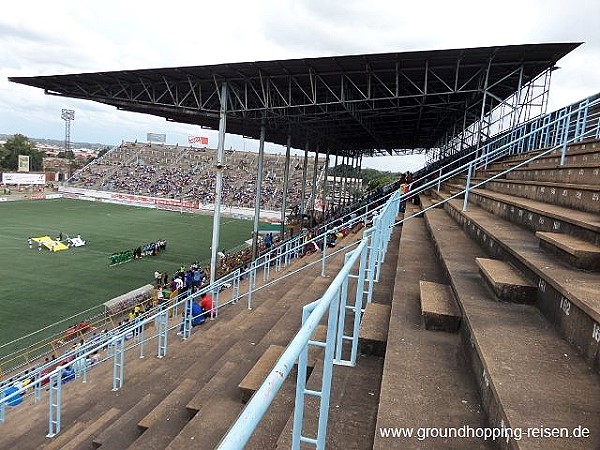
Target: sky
{"type": "Point", "coordinates": [59, 37]}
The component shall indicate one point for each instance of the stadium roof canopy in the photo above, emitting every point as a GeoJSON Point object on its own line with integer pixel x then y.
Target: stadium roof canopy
{"type": "Point", "coordinates": [350, 105]}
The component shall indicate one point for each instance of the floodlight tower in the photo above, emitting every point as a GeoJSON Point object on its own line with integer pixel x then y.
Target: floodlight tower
{"type": "Point", "coordinates": [67, 115]}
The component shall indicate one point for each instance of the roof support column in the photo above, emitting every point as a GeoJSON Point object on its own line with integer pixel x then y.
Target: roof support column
{"type": "Point", "coordinates": [219, 183]}
{"type": "Point", "coordinates": [313, 197]}
{"type": "Point", "coordinates": [345, 162]}
{"type": "Point", "coordinates": [355, 179]}
{"type": "Point", "coordinates": [286, 180]}
{"type": "Point", "coordinates": [516, 112]}
{"type": "Point", "coordinates": [359, 177]}
{"type": "Point", "coordinates": [303, 194]}
{"type": "Point", "coordinates": [325, 186]}
{"type": "Point", "coordinates": [259, 177]}
{"type": "Point", "coordinates": [485, 90]}
{"type": "Point", "coordinates": [336, 188]}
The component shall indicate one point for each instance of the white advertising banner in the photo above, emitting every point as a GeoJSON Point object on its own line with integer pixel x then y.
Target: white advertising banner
{"type": "Point", "coordinates": [23, 178]}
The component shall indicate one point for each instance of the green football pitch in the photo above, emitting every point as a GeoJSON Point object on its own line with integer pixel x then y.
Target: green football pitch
{"type": "Point", "coordinates": [39, 288]}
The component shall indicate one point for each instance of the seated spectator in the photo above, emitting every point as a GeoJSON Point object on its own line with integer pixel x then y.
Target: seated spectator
{"type": "Point", "coordinates": [206, 302]}
{"type": "Point", "coordinates": [198, 317]}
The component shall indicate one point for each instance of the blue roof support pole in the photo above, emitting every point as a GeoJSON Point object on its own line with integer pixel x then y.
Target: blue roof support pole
{"type": "Point", "coordinates": [218, 183]}
{"type": "Point", "coordinates": [54, 402]}
{"type": "Point", "coordinates": [286, 182]}
{"type": "Point", "coordinates": [259, 177]}
{"type": "Point", "coordinates": [118, 361]}
{"type": "Point", "coordinates": [304, 169]}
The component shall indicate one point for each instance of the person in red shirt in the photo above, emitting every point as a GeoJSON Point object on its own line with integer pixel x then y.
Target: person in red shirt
{"type": "Point", "coordinates": [206, 302]}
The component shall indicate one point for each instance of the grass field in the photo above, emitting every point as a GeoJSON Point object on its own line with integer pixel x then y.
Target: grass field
{"type": "Point", "coordinates": [40, 288]}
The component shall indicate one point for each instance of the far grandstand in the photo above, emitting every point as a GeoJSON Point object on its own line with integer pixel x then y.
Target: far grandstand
{"type": "Point", "coordinates": [187, 176]}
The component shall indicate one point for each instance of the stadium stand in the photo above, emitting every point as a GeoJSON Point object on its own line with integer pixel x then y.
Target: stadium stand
{"type": "Point", "coordinates": [520, 369]}
{"type": "Point", "coordinates": [187, 172]}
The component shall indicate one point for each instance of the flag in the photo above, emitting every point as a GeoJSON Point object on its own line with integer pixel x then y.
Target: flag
{"type": "Point", "coordinates": [202, 140]}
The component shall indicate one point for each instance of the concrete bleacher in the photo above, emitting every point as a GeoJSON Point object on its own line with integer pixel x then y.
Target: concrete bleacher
{"type": "Point", "coordinates": [531, 349]}
{"type": "Point", "coordinates": [179, 171]}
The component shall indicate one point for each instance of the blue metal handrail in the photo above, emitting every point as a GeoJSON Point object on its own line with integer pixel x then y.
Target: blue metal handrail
{"type": "Point", "coordinates": [335, 300]}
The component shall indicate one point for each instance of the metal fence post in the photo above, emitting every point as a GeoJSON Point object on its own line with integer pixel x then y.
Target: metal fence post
{"type": "Point", "coordinates": [467, 187]}
{"type": "Point", "coordinates": [118, 362]}
{"type": "Point", "coordinates": [54, 402]}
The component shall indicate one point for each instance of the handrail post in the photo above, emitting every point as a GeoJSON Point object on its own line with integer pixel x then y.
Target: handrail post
{"type": "Point", "coordinates": [3, 404]}
{"type": "Point", "coordinates": [467, 186]}
{"type": "Point", "coordinates": [300, 388]}
{"type": "Point", "coordinates": [162, 322]}
{"type": "Point", "coordinates": [324, 255]}
{"type": "Point", "coordinates": [54, 402]}
{"type": "Point", "coordinates": [118, 361]}
{"type": "Point", "coordinates": [563, 151]}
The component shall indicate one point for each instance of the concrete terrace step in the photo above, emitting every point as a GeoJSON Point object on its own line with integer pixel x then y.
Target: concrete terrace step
{"type": "Point", "coordinates": [352, 407]}
{"type": "Point", "coordinates": [527, 375]}
{"type": "Point", "coordinates": [249, 351]}
{"type": "Point", "coordinates": [576, 153]}
{"type": "Point", "coordinates": [123, 430]}
{"type": "Point", "coordinates": [587, 173]}
{"type": "Point", "coordinates": [236, 340]}
{"type": "Point", "coordinates": [582, 197]}
{"type": "Point", "coordinates": [568, 297]}
{"type": "Point", "coordinates": [373, 329]}
{"type": "Point", "coordinates": [507, 283]}
{"type": "Point", "coordinates": [253, 379]}
{"type": "Point", "coordinates": [579, 253]}
{"type": "Point", "coordinates": [276, 419]}
{"type": "Point", "coordinates": [171, 403]}
{"type": "Point", "coordinates": [426, 381]}
{"type": "Point", "coordinates": [80, 435]}
{"type": "Point", "coordinates": [538, 216]}
{"type": "Point", "coordinates": [438, 307]}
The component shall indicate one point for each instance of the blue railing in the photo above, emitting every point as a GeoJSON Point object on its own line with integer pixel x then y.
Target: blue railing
{"type": "Point", "coordinates": [337, 301]}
